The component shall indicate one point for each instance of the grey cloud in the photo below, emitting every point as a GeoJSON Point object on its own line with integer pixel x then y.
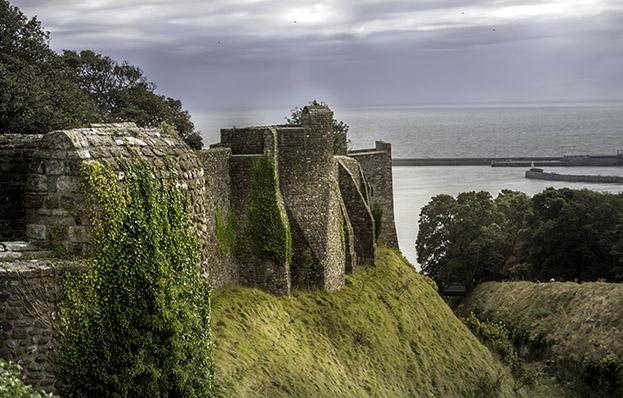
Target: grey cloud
{"type": "Point", "coordinates": [247, 53]}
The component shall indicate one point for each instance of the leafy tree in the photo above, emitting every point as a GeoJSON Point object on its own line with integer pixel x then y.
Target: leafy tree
{"type": "Point", "coordinates": [41, 91]}
{"type": "Point", "coordinates": [37, 93]}
{"type": "Point", "coordinates": [122, 93]}
{"type": "Point", "coordinates": [341, 143]}
{"type": "Point", "coordinates": [516, 210]}
{"type": "Point", "coordinates": [558, 233]}
{"type": "Point", "coordinates": [460, 240]}
{"type": "Point", "coordinates": [574, 233]}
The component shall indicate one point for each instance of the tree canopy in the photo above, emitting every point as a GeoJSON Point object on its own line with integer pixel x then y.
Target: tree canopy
{"type": "Point", "coordinates": [559, 233]}
{"type": "Point", "coordinates": [41, 90]}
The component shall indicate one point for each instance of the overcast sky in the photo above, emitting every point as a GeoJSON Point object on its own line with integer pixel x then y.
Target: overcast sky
{"type": "Point", "coordinates": [225, 53]}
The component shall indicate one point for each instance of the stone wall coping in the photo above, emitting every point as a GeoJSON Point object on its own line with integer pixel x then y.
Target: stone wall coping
{"type": "Point", "coordinates": [364, 152]}
{"type": "Point", "coordinates": [215, 149]}
{"type": "Point", "coordinates": [248, 156]}
{"type": "Point", "coordinates": [241, 129]}
{"type": "Point", "coordinates": [38, 268]}
{"type": "Point", "coordinates": [21, 137]}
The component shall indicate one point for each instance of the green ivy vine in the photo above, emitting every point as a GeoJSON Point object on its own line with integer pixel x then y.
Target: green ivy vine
{"type": "Point", "coordinates": [136, 323]}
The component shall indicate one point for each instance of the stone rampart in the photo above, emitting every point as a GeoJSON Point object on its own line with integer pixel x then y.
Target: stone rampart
{"type": "Point", "coordinates": [222, 269]}
{"type": "Point", "coordinates": [245, 141]}
{"type": "Point", "coordinates": [326, 202]}
{"type": "Point", "coordinates": [55, 207]}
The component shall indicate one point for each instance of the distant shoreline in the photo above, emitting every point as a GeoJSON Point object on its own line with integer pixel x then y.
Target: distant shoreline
{"type": "Point", "coordinates": [539, 174]}
{"type": "Point", "coordinates": [521, 161]}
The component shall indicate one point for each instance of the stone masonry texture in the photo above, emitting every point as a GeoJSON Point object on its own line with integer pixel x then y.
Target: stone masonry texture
{"type": "Point", "coordinates": [55, 213]}
{"type": "Point", "coordinates": [16, 152]}
{"type": "Point", "coordinates": [29, 293]}
{"type": "Point", "coordinates": [377, 168]}
{"type": "Point", "coordinates": [328, 201]}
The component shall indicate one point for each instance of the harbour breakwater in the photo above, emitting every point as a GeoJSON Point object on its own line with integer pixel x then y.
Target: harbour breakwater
{"type": "Point", "coordinates": [527, 161]}
{"type": "Point", "coordinates": [539, 174]}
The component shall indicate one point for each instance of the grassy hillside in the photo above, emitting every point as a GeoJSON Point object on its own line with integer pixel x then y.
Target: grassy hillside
{"type": "Point", "coordinates": [579, 326]}
{"type": "Point", "coordinates": [386, 334]}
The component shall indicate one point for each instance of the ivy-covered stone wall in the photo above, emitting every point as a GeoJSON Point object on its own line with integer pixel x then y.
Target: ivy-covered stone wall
{"type": "Point", "coordinates": [55, 208]}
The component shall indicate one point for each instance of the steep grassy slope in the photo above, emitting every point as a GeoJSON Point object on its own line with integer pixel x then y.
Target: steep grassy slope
{"type": "Point", "coordinates": [386, 334]}
{"type": "Point", "coordinates": [579, 326]}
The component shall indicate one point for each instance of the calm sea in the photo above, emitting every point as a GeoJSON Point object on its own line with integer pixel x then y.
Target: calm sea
{"type": "Point", "coordinates": [462, 131]}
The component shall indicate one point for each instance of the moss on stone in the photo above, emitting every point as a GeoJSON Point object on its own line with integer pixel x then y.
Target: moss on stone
{"type": "Point", "coordinates": [225, 226]}
{"type": "Point", "coordinates": [343, 232]}
{"type": "Point", "coordinates": [268, 228]}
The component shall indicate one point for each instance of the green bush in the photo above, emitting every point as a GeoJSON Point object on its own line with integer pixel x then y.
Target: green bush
{"type": "Point", "coordinates": [605, 375]}
{"type": "Point", "coordinates": [136, 323]}
{"type": "Point", "coordinates": [496, 336]}
{"type": "Point", "coordinates": [11, 386]}
{"type": "Point", "coordinates": [268, 229]}
{"type": "Point", "coordinates": [487, 386]}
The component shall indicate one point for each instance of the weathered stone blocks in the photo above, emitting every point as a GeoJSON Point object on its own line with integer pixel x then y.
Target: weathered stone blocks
{"type": "Point", "coordinates": [29, 293]}
{"type": "Point", "coordinates": [376, 164]}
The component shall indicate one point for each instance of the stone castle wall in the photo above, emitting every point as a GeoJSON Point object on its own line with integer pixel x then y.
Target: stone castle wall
{"type": "Point", "coordinates": [55, 207]}
{"type": "Point", "coordinates": [377, 167]}
{"type": "Point", "coordinates": [354, 193]}
{"type": "Point", "coordinates": [328, 201]}
{"type": "Point", "coordinates": [29, 293]}
{"type": "Point", "coordinates": [222, 269]}
{"type": "Point", "coordinates": [16, 152]}
{"type": "Point", "coordinates": [308, 182]}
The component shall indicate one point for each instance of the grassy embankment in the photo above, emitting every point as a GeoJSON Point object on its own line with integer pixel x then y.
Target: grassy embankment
{"type": "Point", "coordinates": [386, 334]}
{"type": "Point", "coordinates": [577, 328]}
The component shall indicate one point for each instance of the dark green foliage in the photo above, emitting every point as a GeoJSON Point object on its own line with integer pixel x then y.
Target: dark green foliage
{"type": "Point", "coordinates": [559, 233]}
{"type": "Point", "coordinates": [137, 322]}
{"type": "Point", "coordinates": [341, 143]}
{"type": "Point", "coordinates": [122, 93]}
{"type": "Point", "coordinates": [42, 91]}
{"type": "Point", "coordinates": [12, 386]}
{"type": "Point", "coordinates": [575, 234]}
{"type": "Point", "coordinates": [605, 375]}
{"type": "Point", "coordinates": [37, 92]}
{"type": "Point", "coordinates": [460, 240]}
{"type": "Point", "coordinates": [268, 228]}
{"type": "Point", "coordinates": [497, 337]}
